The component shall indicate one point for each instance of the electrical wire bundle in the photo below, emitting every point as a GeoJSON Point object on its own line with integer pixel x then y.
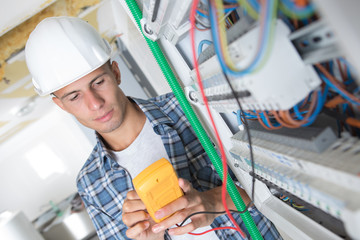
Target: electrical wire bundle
{"type": "Point", "coordinates": [203, 19]}
{"type": "Point", "coordinates": [336, 98]}
{"type": "Point", "coordinates": [331, 94]}
{"type": "Point", "coordinates": [298, 9]}
{"type": "Point", "coordinates": [267, 23]}
{"type": "Point", "coordinates": [292, 203]}
{"type": "Point", "coordinates": [222, 151]}
{"type": "Point", "coordinates": [344, 102]}
{"type": "Point", "coordinates": [304, 113]}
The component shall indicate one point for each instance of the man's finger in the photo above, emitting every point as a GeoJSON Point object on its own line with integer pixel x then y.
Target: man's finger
{"type": "Point", "coordinates": [182, 230]}
{"type": "Point", "coordinates": [185, 185]}
{"type": "Point", "coordinates": [133, 205]}
{"type": "Point", "coordinates": [172, 207]}
{"type": "Point", "coordinates": [171, 221]}
{"type": "Point", "coordinates": [131, 195]}
{"type": "Point", "coordinates": [135, 231]}
{"type": "Point", "coordinates": [130, 219]}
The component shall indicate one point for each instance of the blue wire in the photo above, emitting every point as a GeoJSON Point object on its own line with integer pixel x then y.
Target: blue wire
{"type": "Point", "coordinates": [307, 10]}
{"type": "Point", "coordinates": [249, 115]}
{"type": "Point", "coordinates": [349, 69]}
{"type": "Point", "coordinates": [260, 54]}
{"type": "Point", "coordinates": [327, 81]}
{"type": "Point", "coordinates": [266, 121]}
{"type": "Point", "coordinates": [227, 10]}
{"type": "Point", "coordinates": [345, 107]}
{"type": "Point", "coordinates": [238, 115]}
{"type": "Point", "coordinates": [349, 66]}
{"type": "Point", "coordinates": [255, 5]}
{"type": "Point", "coordinates": [217, 45]}
{"type": "Point", "coordinates": [201, 44]}
{"type": "Point", "coordinates": [319, 106]}
{"type": "Point", "coordinates": [201, 14]}
{"type": "Point", "coordinates": [297, 112]}
{"type": "Point", "coordinates": [231, 1]}
{"type": "Point", "coordinates": [348, 73]}
{"type": "Point", "coordinates": [296, 107]}
{"type": "Point", "coordinates": [305, 21]}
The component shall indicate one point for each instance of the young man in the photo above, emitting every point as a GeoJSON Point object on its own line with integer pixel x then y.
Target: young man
{"type": "Point", "coordinates": [70, 60]}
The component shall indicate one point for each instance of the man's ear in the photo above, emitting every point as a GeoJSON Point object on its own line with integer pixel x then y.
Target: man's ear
{"type": "Point", "coordinates": [59, 103]}
{"type": "Point", "coordinates": [115, 69]}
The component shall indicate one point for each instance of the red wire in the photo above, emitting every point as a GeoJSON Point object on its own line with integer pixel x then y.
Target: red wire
{"type": "Point", "coordinates": [210, 230]}
{"type": "Point", "coordinates": [196, 64]}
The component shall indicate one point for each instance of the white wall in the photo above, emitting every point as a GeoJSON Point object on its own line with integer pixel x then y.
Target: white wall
{"type": "Point", "coordinates": [41, 162]}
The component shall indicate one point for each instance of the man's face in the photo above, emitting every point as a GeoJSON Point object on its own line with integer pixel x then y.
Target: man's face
{"type": "Point", "coordinates": [95, 99]}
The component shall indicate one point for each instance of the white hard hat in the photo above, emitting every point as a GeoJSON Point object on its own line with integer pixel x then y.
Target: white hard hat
{"type": "Point", "coordinates": [61, 50]}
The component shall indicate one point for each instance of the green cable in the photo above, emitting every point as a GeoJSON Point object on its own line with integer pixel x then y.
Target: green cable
{"type": "Point", "coordinates": [271, 37]}
{"type": "Point", "coordinates": [249, 9]}
{"type": "Point", "coordinates": [195, 123]}
{"type": "Point", "coordinates": [291, 14]}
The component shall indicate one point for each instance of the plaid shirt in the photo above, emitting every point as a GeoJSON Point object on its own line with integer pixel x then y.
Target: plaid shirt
{"type": "Point", "coordinates": [103, 184]}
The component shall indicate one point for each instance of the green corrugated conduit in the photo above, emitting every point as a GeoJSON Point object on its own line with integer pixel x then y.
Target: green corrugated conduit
{"type": "Point", "coordinates": [195, 123]}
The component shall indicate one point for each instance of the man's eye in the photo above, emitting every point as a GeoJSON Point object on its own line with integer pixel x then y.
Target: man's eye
{"type": "Point", "coordinates": [73, 98]}
{"type": "Point", "coordinates": [99, 82]}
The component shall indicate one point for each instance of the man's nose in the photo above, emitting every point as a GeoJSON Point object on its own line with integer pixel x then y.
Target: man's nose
{"type": "Point", "coordinates": [94, 101]}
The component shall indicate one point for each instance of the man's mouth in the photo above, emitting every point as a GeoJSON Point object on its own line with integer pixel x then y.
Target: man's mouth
{"type": "Point", "coordinates": [106, 117]}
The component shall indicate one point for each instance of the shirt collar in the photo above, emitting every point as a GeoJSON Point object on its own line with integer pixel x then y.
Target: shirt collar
{"type": "Point", "coordinates": [153, 111]}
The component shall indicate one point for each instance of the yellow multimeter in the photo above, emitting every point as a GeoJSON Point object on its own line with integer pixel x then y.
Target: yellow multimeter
{"type": "Point", "coordinates": [157, 186]}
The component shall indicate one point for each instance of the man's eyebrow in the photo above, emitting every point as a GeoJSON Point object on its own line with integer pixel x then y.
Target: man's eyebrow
{"type": "Point", "coordinates": [95, 78]}
{"type": "Point", "coordinates": [91, 82]}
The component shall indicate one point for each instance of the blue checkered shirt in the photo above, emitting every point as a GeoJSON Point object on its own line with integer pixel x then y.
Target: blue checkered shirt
{"type": "Point", "coordinates": [102, 183]}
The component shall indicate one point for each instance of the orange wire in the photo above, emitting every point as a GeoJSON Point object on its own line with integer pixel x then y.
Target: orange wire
{"type": "Point", "coordinates": [200, 29]}
{"type": "Point", "coordinates": [332, 103]}
{"type": "Point", "coordinates": [285, 118]}
{"type": "Point", "coordinates": [335, 82]}
{"type": "Point", "coordinates": [277, 117]}
{"type": "Point", "coordinates": [261, 122]}
{"type": "Point", "coordinates": [343, 76]}
{"type": "Point", "coordinates": [304, 102]}
{"type": "Point", "coordinates": [301, 3]}
{"type": "Point", "coordinates": [202, 11]}
{"type": "Point", "coordinates": [353, 122]}
{"type": "Point", "coordinates": [296, 23]}
{"type": "Point", "coordinates": [231, 6]}
{"type": "Point", "coordinates": [286, 115]}
{"type": "Point", "coordinates": [268, 120]}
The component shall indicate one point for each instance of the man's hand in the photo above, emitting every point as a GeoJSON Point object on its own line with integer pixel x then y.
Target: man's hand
{"type": "Point", "coordinates": [193, 201]}
{"type": "Point", "coordinates": [138, 220]}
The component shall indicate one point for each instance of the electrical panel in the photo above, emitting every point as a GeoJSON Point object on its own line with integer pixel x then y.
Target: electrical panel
{"type": "Point", "coordinates": [284, 71]}
{"type": "Point", "coordinates": [293, 83]}
{"type": "Point", "coordinates": [328, 179]}
{"type": "Point", "coordinates": [165, 18]}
